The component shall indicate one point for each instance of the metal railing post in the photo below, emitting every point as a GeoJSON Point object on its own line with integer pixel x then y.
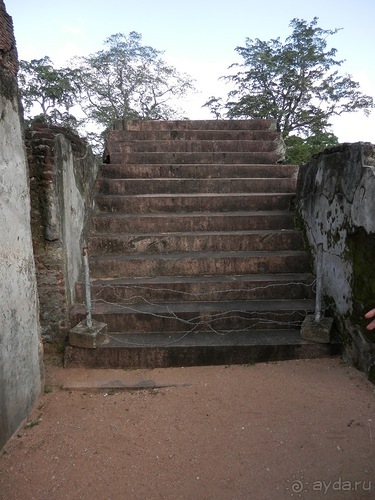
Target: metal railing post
{"type": "Point", "coordinates": [319, 277]}
{"type": "Point", "coordinates": [87, 287]}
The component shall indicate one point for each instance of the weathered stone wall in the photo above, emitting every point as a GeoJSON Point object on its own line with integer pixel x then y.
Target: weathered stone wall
{"type": "Point", "coordinates": [336, 200]}
{"type": "Point", "coordinates": [8, 50]}
{"type": "Point", "coordinates": [20, 347]}
{"type": "Point", "coordinates": [63, 170]}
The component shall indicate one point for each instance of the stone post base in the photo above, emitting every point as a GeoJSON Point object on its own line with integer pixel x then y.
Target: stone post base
{"type": "Point", "coordinates": [91, 337]}
{"type": "Point", "coordinates": [316, 331]}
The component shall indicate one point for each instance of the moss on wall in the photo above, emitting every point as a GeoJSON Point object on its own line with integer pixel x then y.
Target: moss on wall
{"type": "Point", "coordinates": [361, 252]}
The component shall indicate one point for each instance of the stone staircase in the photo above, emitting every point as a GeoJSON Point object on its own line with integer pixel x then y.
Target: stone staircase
{"type": "Point", "coordinates": [194, 257]}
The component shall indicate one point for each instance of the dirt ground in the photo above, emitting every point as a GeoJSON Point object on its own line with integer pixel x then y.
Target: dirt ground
{"type": "Point", "coordinates": [296, 429]}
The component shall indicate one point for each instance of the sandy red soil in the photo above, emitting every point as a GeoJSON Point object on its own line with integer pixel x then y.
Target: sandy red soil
{"type": "Point", "coordinates": [296, 429]}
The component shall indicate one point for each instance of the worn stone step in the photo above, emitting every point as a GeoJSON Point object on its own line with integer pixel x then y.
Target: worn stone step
{"type": "Point", "coordinates": [199, 264]}
{"type": "Point", "coordinates": [257, 124]}
{"type": "Point", "coordinates": [200, 221]}
{"type": "Point", "coordinates": [177, 203]}
{"type": "Point", "coordinates": [193, 135]}
{"type": "Point", "coordinates": [194, 258]}
{"type": "Point", "coordinates": [194, 171]}
{"type": "Point", "coordinates": [223, 317]}
{"type": "Point", "coordinates": [200, 288]}
{"type": "Point", "coordinates": [197, 158]}
{"type": "Point", "coordinates": [161, 275]}
{"type": "Point", "coordinates": [186, 146]}
{"type": "Point", "coordinates": [204, 348]}
{"type": "Point", "coordinates": [202, 241]}
{"type": "Point", "coordinates": [172, 186]}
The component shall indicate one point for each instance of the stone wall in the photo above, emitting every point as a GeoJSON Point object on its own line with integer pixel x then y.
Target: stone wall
{"type": "Point", "coordinates": [63, 170]}
{"type": "Point", "coordinates": [21, 372]}
{"type": "Point", "coordinates": [8, 50]}
{"type": "Point", "coordinates": [336, 201]}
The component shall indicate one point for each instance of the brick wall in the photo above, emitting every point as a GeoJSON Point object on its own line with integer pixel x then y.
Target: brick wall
{"type": "Point", "coordinates": [60, 163]}
{"type": "Point", "coordinates": [48, 251]}
{"type": "Point", "coordinates": [8, 51]}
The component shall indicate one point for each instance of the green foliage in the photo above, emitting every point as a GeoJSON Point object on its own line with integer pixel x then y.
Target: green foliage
{"type": "Point", "coordinates": [216, 106]}
{"type": "Point", "coordinates": [294, 82]}
{"type": "Point", "coordinates": [126, 80]}
{"type": "Point", "coordinates": [129, 80]}
{"type": "Point", "coordinates": [47, 93]}
{"type": "Point", "coordinates": [300, 150]}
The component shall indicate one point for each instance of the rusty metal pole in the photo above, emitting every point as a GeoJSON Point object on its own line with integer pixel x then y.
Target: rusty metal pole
{"type": "Point", "coordinates": [319, 279]}
{"type": "Point", "coordinates": [87, 287]}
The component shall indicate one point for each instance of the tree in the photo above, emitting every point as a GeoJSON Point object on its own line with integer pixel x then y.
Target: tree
{"type": "Point", "coordinates": [295, 82]}
{"type": "Point", "coordinates": [48, 94]}
{"type": "Point", "coordinates": [299, 150]}
{"type": "Point", "coordinates": [216, 107]}
{"type": "Point", "coordinates": [129, 80]}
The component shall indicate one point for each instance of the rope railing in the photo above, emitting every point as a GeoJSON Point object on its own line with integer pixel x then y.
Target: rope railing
{"type": "Point", "coordinates": [207, 321]}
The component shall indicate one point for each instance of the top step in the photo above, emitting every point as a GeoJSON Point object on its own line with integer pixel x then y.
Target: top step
{"type": "Point", "coordinates": [145, 125]}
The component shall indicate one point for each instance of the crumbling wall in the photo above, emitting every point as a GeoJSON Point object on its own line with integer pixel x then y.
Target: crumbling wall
{"type": "Point", "coordinates": [20, 347]}
{"type": "Point", "coordinates": [63, 170]}
{"type": "Point", "coordinates": [336, 202]}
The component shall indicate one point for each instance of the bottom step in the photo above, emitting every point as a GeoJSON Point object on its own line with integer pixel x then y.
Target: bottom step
{"type": "Point", "coordinates": [196, 349]}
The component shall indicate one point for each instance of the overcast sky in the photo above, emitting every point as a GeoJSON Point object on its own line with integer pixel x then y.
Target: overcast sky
{"type": "Point", "coordinates": [200, 37]}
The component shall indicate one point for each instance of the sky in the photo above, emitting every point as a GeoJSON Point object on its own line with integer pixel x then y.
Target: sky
{"type": "Point", "coordinates": [199, 37]}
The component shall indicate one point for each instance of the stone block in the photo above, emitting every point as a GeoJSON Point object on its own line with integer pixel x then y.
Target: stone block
{"type": "Point", "coordinates": [90, 337]}
{"type": "Point", "coordinates": [316, 331]}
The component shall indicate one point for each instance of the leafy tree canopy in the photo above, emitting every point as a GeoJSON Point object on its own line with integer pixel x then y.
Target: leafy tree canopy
{"type": "Point", "coordinates": [126, 80]}
{"type": "Point", "coordinates": [296, 82]}
{"type": "Point", "coordinates": [129, 80]}
{"type": "Point", "coordinates": [299, 150]}
{"type": "Point", "coordinates": [48, 93]}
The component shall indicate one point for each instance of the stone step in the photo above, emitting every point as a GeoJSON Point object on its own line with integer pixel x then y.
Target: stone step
{"type": "Point", "coordinates": [191, 186]}
{"type": "Point", "coordinates": [177, 203]}
{"type": "Point", "coordinates": [200, 221]}
{"type": "Point", "coordinates": [200, 288]}
{"type": "Point", "coordinates": [197, 158]}
{"type": "Point", "coordinates": [201, 146]}
{"type": "Point", "coordinates": [201, 241]}
{"type": "Point", "coordinates": [257, 124]}
{"type": "Point", "coordinates": [175, 350]}
{"type": "Point", "coordinates": [199, 264]}
{"type": "Point", "coordinates": [193, 135]}
{"type": "Point", "coordinates": [194, 171]}
{"type": "Point", "coordinates": [222, 317]}
{"type": "Point", "coordinates": [194, 258]}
